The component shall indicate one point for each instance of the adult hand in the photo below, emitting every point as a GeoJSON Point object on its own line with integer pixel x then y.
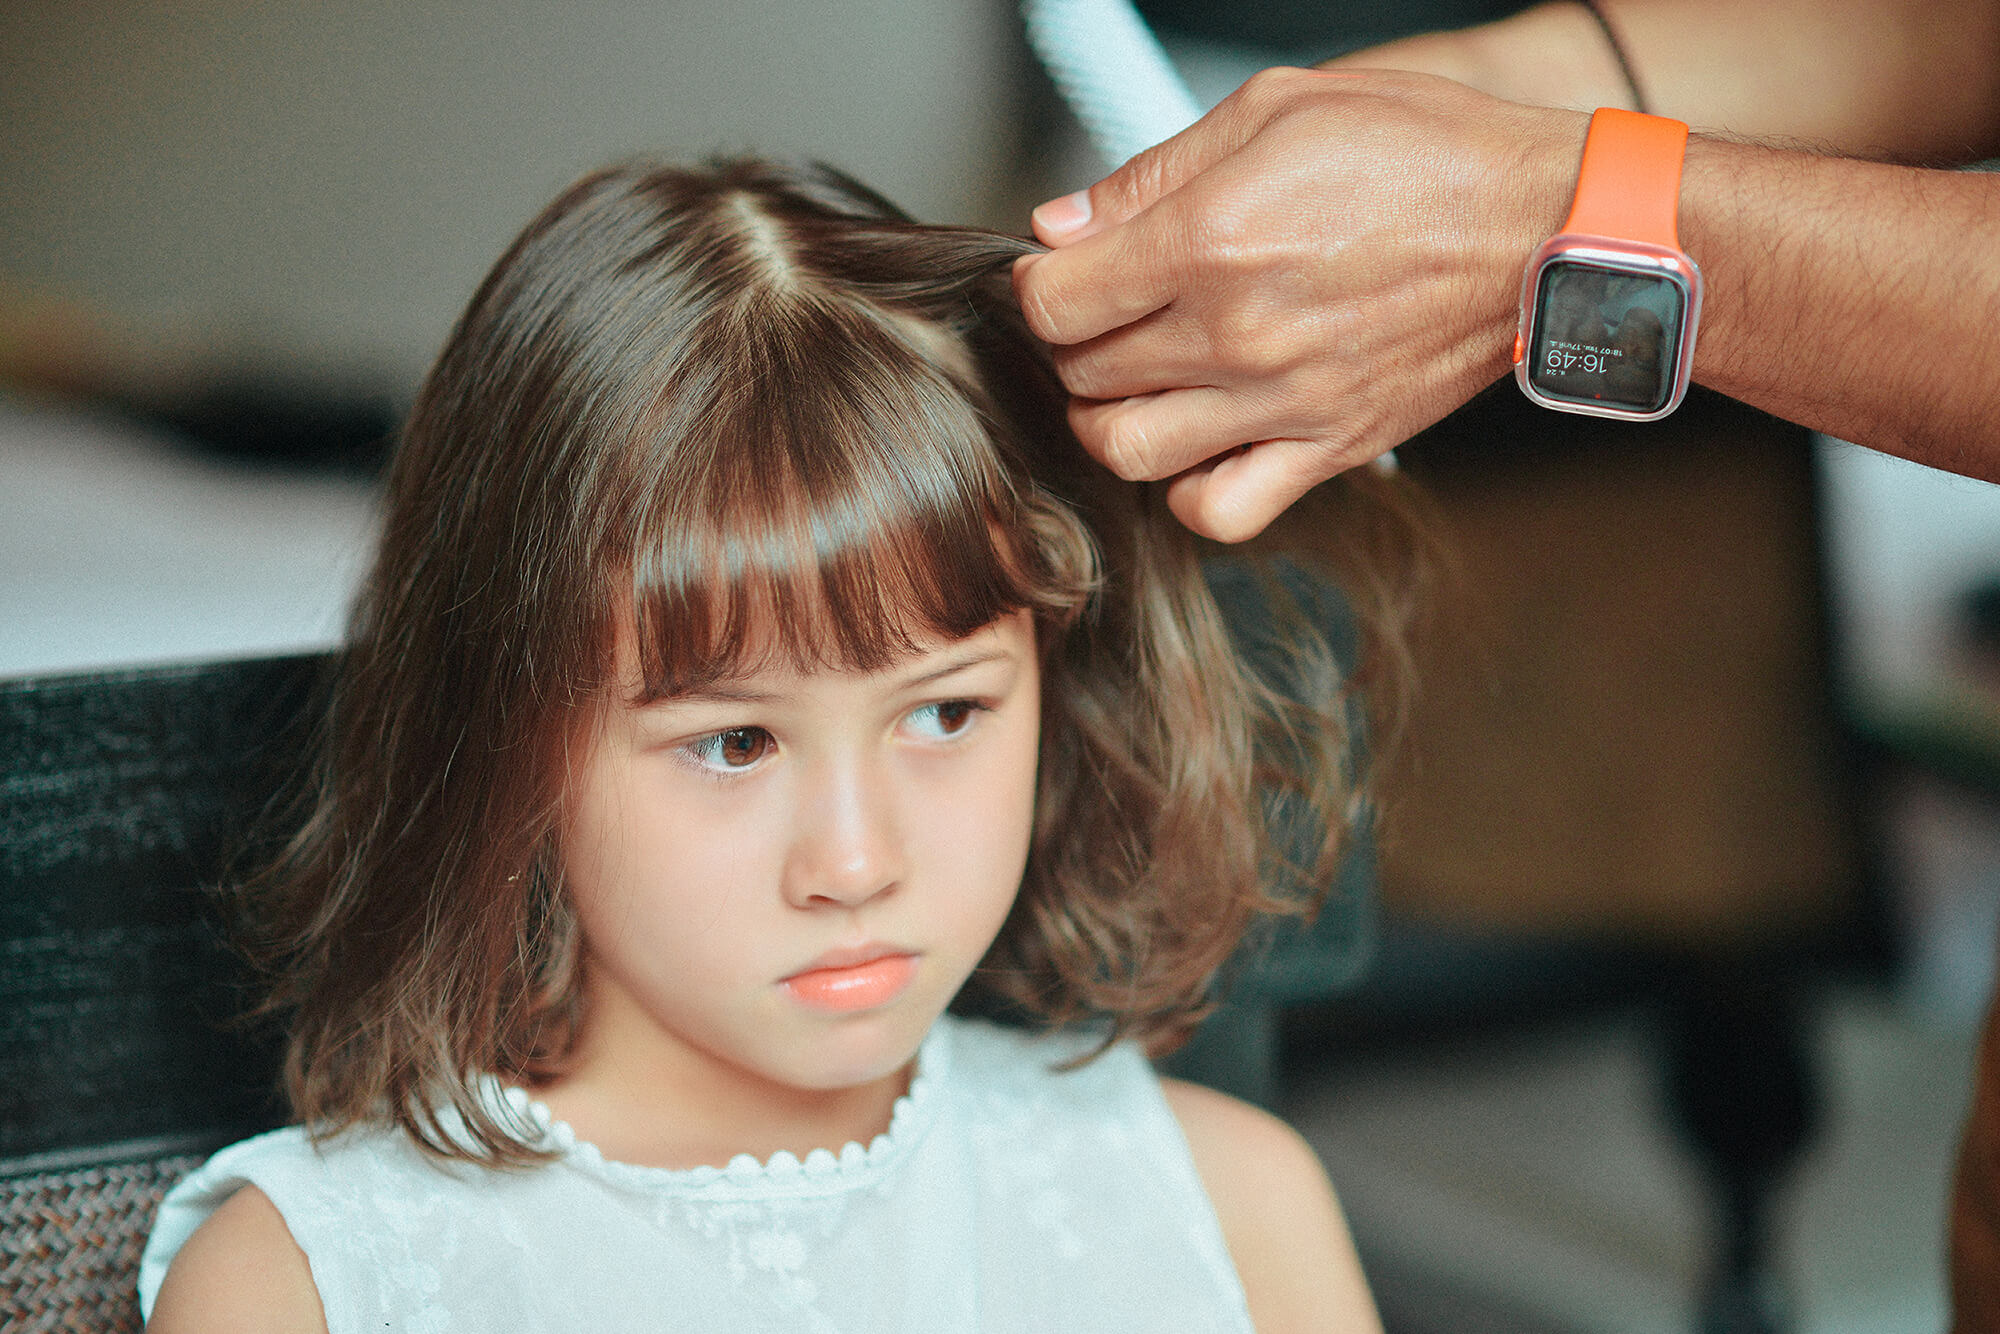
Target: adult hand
{"type": "Point", "coordinates": [1325, 264]}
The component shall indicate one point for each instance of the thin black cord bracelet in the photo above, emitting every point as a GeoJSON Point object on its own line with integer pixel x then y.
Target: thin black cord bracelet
{"type": "Point", "coordinates": [1617, 52]}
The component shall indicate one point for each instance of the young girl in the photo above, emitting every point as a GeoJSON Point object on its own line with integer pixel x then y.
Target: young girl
{"type": "Point", "coordinates": [753, 664]}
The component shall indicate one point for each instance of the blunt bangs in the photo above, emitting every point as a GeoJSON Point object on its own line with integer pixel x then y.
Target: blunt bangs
{"type": "Point", "coordinates": [839, 497]}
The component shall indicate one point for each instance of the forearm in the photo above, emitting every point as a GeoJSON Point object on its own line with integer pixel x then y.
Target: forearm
{"type": "Point", "coordinates": [1911, 80]}
{"type": "Point", "coordinates": [1328, 263]}
{"type": "Point", "coordinates": [1857, 298]}
{"type": "Point", "coordinates": [1861, 299]}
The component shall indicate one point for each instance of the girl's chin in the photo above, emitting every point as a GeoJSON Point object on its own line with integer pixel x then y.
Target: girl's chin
{"type": "Point", "coordinates": [858, 1055]}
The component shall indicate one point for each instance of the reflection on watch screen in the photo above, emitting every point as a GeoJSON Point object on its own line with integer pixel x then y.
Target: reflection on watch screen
{"type": "Point", "coordinates": [1605, 336]}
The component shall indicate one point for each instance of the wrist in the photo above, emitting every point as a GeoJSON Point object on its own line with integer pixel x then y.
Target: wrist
{"type": "Point", "coordinates": [1536, 191]}
{"type": "Point", "coordinates": [1731, 191]}
{"type": "Point", "coordinates": [1611, 304]}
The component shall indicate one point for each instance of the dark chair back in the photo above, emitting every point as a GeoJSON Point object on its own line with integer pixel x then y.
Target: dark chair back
{"type": "Point", "coordinates": [122, 797]}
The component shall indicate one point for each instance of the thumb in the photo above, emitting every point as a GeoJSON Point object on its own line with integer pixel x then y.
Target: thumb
{"type": "Point", "coordinates": [1143, 181]}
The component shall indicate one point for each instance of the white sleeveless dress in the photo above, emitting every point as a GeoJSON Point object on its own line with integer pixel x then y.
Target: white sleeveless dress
{"type": "Point", "coordinates": [1004, 1196]}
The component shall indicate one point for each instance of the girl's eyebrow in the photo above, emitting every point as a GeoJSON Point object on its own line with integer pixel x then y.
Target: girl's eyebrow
{"type": "Point", "coordinates": [716, 694]}
{"type": "Point", "coordinates": [957, 665]}
{"type": "Point", "coordinates": [723, 692]}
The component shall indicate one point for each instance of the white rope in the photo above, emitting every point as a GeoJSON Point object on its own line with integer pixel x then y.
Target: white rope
{"type": "Point", "coordinates": [1112, 71]}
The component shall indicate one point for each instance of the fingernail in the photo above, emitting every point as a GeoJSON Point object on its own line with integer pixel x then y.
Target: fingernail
{"type": "Point", "coordinates": [1060, 217]}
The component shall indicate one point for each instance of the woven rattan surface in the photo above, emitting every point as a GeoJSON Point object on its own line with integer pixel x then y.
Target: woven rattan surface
{"type": "Point", "coordinates": [70, 1243]}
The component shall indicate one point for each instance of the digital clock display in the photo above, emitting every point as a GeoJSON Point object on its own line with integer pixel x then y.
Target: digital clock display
{"type": "Point", "coordinates": [1605, 336]}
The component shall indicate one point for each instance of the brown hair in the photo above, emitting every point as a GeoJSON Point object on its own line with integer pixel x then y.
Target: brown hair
{"type": "Point", "coordinates": [698, 396]}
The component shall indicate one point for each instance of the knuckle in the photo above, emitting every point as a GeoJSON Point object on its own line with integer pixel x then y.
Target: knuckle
{"type": "Point", "coordinates": [1124, 448]}
{"type": "Point", "coordinates": [1040, 306]}
{"type": "Point", "coordinates": [1235, 330]}
{"type": "Point", "coordinates": [1236, 244]}
{"type": "Point", "coordinates": [1262, 88]}
{"type": "Point", "coordinates": [1269, 90]}
{"type": "Point", "coordinates": [1241, 338]}
{"type": "Point", "coordinates": [1077, 368]}
{"type": "Point", "coordinates": [1332, 456]}
{"type": "Point", "coordinates": [1143, 177]}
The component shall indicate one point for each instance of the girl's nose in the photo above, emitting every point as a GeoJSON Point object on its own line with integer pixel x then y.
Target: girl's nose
{"type": "Point", "coordinates": [845, 849]}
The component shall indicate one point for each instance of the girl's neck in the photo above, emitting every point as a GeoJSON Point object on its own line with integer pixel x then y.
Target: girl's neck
{"type": "Point", "coordinates": [667, 1105]}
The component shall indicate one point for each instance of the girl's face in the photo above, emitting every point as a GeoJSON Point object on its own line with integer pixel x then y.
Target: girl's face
{"type": "Point", "coordinates": [784, 879]}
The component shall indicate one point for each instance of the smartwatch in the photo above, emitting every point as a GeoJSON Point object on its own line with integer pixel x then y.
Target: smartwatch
{"type": "Point", "coordinates": [1609, 304]}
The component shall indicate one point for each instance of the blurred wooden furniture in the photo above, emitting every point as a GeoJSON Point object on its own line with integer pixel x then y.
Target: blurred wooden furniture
{"type": "Point", "coordinates": [1625, 725]}
{"type": "Point", "coordinates": [1625, 742]}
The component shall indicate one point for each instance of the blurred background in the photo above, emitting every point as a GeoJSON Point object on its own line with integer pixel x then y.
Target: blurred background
{"type": "Point", "coordinates": [1689, 867]}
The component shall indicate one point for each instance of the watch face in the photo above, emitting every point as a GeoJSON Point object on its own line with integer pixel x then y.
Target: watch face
{"type": "Point", "coordinates": [1605, 336]}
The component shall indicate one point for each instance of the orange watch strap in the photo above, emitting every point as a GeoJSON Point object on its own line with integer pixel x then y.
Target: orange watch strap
{"type": "Point", "coordinates": [1629, 186]}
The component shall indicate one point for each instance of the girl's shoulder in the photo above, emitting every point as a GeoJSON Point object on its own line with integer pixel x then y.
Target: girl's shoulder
{"type": "Point", "coordinates": [240, 1271]}
{"type": "Point", "coordinates": [204, 1193]}
{"type": "Point", "coordinates": [1268, 1202]}
{"type": "Point", "coordinates": [282, 1195]}
{"type": "Point", "coordinates": [1277, 1210]}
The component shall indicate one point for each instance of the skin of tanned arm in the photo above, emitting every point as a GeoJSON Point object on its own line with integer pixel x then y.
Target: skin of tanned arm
{"type": "Point", "coordinates": [1857, 298]}
{"type": "Point", "coordinates": [1903, 80]}
{"type": "Point", "coordinates": [1908, 80]}
{"type": "Point", "coordinates": [1898, 351]}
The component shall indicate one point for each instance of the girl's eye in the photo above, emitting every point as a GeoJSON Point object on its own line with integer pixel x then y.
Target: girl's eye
{"type": "Point", "coordinates": [735, 748]}
{"type": "Point", "coordinates": [947, 718]}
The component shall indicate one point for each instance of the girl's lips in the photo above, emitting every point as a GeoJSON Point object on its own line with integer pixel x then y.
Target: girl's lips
{"type": "Point", "coordinates": [857, 986]}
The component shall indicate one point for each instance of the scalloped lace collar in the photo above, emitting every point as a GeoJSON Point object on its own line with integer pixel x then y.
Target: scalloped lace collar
{"type": "Point", "coordinates": [783, 1173]}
